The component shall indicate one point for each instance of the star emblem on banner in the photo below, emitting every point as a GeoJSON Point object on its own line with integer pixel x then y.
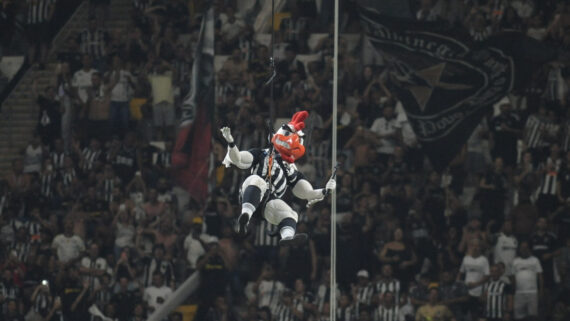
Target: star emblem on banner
{"type": "Point", "coordinates": [422, 83]}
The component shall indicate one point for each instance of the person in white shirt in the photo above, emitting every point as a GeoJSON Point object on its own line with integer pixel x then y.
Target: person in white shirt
{"type": "Point", "coordinates": [231, 29]}
{"type": "Point", "coordinates": [506, 246]}
{"type": "Point", "coordinates": [33, 155]}
{"type": "Point", "coordinates": [386, 129]}
{"type": "Point", "coordinates": [67, 245]}
{"type": "Point", "coordinates": [156, 294]}
{"type": "Point", "coordinates": [93, 267]}
{"type": "Point", "coordinates": [120, 95]}
{"type": "Point", "coordinates": [268, 290]}
{"type": "Point", "coordinates": [195, 243]}
{"type": "Point", "coordinates": [528, 283]}
{"type": "Point", "coordinates": [474, 271]}
{"type": "Point", "coordinates": [81, 80]}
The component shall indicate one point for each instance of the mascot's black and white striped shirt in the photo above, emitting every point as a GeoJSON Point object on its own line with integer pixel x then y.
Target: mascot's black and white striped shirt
{"type": "Point", "coordinates": [283, 174]}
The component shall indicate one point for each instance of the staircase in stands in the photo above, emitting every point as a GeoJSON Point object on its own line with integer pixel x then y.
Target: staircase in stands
{"type": "Point", "coordinates": [19, 111]}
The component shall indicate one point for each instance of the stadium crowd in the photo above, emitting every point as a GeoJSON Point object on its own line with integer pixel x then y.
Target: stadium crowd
{"type": "Point", "coordinates": [91, 219]}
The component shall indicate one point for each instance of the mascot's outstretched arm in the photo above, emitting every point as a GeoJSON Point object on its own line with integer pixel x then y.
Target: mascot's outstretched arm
{"type": "Point", "coordinates": [304, 190]}
{"type": "Point", "coordinates": [242, 160]}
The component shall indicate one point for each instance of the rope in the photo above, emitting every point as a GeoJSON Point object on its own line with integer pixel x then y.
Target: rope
{"type": "Point", "coordinates": [272, 64]}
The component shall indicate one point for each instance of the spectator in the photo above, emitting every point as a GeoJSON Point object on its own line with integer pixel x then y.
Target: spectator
{"type": "Point", "coordinates": [195, 243]}
{"type": "Point", "coordinates": [39, 15]}
{"type": "Point", "coordinates": [102, 294]}
{"type": "Point", "coordinates": [303, 300]}
{"type": "Point", "coordinates": [346, 309]}
{"type": "Point", "coordinates": [93, 42]}
{"type": "Point", "coordinates": [33, 155]}
{"type": "Point", "coordinates": [388, 310]}
{"type": "Point", "coordinates": [475, 272]}
{"type": "Point", "coordinates": [420, 292]}
{"type": "Point", "coordinates": [127, 159]}
{"type": "Point", "coordinates": [156, 294]}
{"type": "Point", "coordinates": [494, 186]}
{"type": "Point", "coordinates": [506, 245]}
{"type": "Point", "coordinates": [120, 95]}
{"type": "Point", "coordinates": [525, 179]}
{"type": "Point", "coordinates": [161, 81]}
{"type": "Point", "coordinates": [83, 79]}
{"type": "Point", "coordinates": [74, 298]}
{"type": "Point", "coordinates": [231, 28]}
{"type": "Point", "coordinates": [12, 312]}
{"type": "Point", "coordinates": [386, 130]}
{"type": "Point", "coordinates": [68, 246]}
{"type": "Point", "coordinates": [124, 298]}
{"type": "Point", "coordinates": [235, 66]}
{"type": "Point", "coordinates": [290, 64]}
{"type": "Point", "coordinates": [93, 267]}
{"type": "Point", "coordinates": [139, 312]}
{"type": "Point", "coordinates": [97, 107]}
{"type": "Point", "coordinates": [528, 283]}
{"type": "Point", "coordinates": [400, 256]}
{"type": "Point", "coordinates": [324, 291]}
{"type": "Point", "coordinates": [547, 200]}
{"type": "Point", "coordinates": [433, 309]}
{"type": "Point", "coordinates": [362, 291]}
{"type": "Point", "coordinates": [157, 264]}
{"type": "Point", "coordinates": [214, 274]}
{"type": "Point", "coordinates": [57, 155]}
{"type": "Point", "coordinates": [387, 283]}
{"type": "Point", "coordinates": [268, 290]}
{"type": "Point", "coordinates": [286, 309]}
{"type": "Point", "coordinates": [497, 296]}
{"type": "Point", "coordinates": [9, 291]}
{"type": "Point", "coordinates": [506, 131]}
{"type": "Point", "coordinates": [220, 311]}
{"type": "Point", "coordinates": [453, 294]}
{"type": "Point", "coordinates": [49, 116]}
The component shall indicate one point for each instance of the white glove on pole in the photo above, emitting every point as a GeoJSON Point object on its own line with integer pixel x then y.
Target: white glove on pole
{"type": "Point", "coordinates": [227, 133]}
{"type": "Point", "coordinates": [331, 185]}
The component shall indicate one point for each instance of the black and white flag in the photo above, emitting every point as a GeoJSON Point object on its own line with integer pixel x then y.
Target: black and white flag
{"type": "Point", "coordinates": [445, 81]}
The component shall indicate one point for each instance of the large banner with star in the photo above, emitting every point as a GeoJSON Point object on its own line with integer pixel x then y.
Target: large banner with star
{"type": "Point", "coordinates": [445, 81]}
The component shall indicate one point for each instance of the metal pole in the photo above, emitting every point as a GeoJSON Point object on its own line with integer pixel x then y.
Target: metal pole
{"type": "Point", "coordinates": [334, 147]}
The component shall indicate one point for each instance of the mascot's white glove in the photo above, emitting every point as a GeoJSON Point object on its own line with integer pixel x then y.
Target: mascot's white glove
{"type": "Point", "coordinates": [331, 185]}
{"type": "Point", "coordinates": [227, 133]}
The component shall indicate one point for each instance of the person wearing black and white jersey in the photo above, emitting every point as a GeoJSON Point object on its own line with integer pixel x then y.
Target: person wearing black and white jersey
{"type": "Point", "coordinates": [387, 310]}
{"type": "Point", "coordinates": [362, 291]}
{"type": "Point", "coordinates": [547, 198]}
{"type": "Point", "coordinates": [387, 283]}
{"type": "Point", "coordinates": [93, 41]}
{"type": "Point", "coordinates": [346, 310]}
{"type": "Point", "coordinates": [38, 19]}
{"type": "Point", "coordinates": [539, 128]}
{"type": "Point", "coordinates": [272, 171]}
{"type": "Point", "coordinates": [303, 300]}
{"type": "Point", "coordinates": [286, 309]}
{"type": "Point", "coordinates": [497, 297]}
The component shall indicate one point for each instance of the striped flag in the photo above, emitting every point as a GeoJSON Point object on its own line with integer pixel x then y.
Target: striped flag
{"type": "Point", "coordinates": [190, 157]}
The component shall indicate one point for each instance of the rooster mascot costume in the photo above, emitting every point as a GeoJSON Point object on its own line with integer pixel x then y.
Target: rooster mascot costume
{"type": "Point", "coordinates": [272, 171]}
